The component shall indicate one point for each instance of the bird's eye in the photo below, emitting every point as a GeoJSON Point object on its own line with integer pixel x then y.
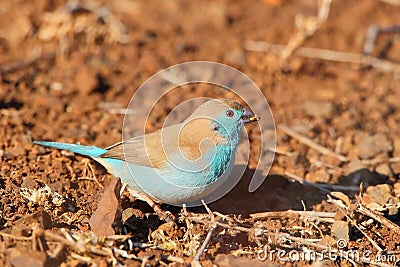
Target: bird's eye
{"type": "Point", "coordinates": [229, 113]}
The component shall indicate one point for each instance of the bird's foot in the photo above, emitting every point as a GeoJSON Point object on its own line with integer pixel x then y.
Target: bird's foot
{"type": "Point", "coordinates": [162, 214]}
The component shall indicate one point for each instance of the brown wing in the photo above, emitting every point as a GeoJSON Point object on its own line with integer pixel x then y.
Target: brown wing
{"type": "Point", "coordinates": [144, 151]}
{"type": "Point", "coordinates": [149, 150]}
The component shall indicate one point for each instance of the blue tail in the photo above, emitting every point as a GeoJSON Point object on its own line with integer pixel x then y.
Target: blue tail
{"type": "Point", "coordinates": [90, 151]}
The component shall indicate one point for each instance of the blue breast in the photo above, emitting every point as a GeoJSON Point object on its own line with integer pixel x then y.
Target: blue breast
{"type": "Point", "coordinates": [220, 162]}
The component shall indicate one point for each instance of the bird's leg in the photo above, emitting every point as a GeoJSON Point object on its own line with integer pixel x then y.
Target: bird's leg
{"type": "Point", "coordinates": [164, 215]}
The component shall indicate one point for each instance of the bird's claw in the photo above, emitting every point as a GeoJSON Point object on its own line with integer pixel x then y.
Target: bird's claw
{"type": "Point", "coordinates": [165, 215]}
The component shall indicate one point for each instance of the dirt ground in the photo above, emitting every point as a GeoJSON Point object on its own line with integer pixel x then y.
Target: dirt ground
{"type": "Point", "coordinates": [67, 69]}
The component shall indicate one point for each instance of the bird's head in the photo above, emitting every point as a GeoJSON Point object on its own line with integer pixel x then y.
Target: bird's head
{"type": "Point", "coordinates": [222, 117]}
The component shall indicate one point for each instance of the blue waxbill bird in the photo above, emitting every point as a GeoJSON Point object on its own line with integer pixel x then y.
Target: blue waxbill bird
{"type": "Point", "coordinates": [178, 164]}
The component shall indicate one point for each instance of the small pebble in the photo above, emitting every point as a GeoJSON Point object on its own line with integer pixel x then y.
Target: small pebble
{"type": "Point", "coordinates": [318, 108]}
{"type": "Point", "coordinates": [371, 146]}
{"type": "Point", "coordinates": [340, 231]}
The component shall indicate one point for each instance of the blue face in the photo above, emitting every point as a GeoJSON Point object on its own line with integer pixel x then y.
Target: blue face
{"type": "Point", "coordinates": [229, 124]}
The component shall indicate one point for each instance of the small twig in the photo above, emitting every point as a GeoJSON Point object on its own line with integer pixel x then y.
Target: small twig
{"type": "Point", "coordinates": [125, 254]}
{"type": "Point", "coordinates": [201, 219]}
{"type": "Point", "coordinates": [223, 216]}
{"type": "Point", "coordinates": [117, 237]}
{"type": "Point", "coordinates": [307, 141]}
{"type": "Point", "coordinates": [289, 213]}
{"type": "Point", "coordinates": [282, 152]}
{"type": "Point", "coordinates": [107, 252]}
{"type": "Point", "coordinates": [323, 187]}
{"type": "Point", "coordinates": [86, 177]}
{"type": "Point", "coordinates": [81, 258]}
{"type": "Point", "coordinates": [339, 144]}
{"type": "Point", "coordinates": [71, 171]}
{"type": "Point", "coordinates": [370, 39]}
{"type": "Point", "coordinates": [376, 216]}
{"type": "Point", "coordinates": [394, 159]}
{"type": "Point", "coordinates": [58, 238]}
{"type": "Point", "coordinates": [121, 111]}
{"type": "Point", "coordinates": [188, 225]}
{"type": "Point", "coordinates": [37, 235]}
{"type": "Point", "coordinates": [209, 234]}
{"type": "Point", "coordinates": [22, 238]}
{"type": "Point", "coordinates": [173, 78]}
{"type": "Point", "coordinates": [57, 251]}
{"type": "Point", "coordinates": [353, 222]}
{"type": "Point", "coordinates": [378, 160]}
{"type": "Point", "coordinates": [205, 243]}
{"type": "Point", "coordinates": [305, 182]}
{"type": "Point", "coordinates": [324, 54]}
{"type": "Point", "coordinates": [210, 213]}
{"type": "Point", "coordinates": [115, 108]}
{"type": "Point", "coordinates": [319, 163]}
{"type": "Point", "coordinates": [86, 248]}
{"type": "Point", "coordinates": [298, 240]}
{"type": "Point", "coordinates": [307, 26]}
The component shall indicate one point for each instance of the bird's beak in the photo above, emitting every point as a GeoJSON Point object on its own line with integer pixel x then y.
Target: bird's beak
{"type": "Point", "coordinates": [249, 116]}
